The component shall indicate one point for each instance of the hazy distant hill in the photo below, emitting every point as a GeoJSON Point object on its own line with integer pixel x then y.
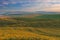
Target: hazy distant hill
{"type": "Point", "coordinates": [26, 13]}
{"type": "Point", "coordinates": [43, 12]}
{"type": "Point", "coordinates": [14, 12]}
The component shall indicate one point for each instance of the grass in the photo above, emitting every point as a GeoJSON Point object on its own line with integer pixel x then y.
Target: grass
{"type": "Point", "coordinates": [24, 33]}
{"type": "Point", "coordinates": [51, 16]}
{"type": "Point", "coordinates": [20, 28]}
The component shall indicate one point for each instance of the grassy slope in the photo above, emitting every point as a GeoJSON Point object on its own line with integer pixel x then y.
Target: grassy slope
{"type": "Point", "coordinates": [30, 28]}
{"type": "Point", "coordinates": [51, 16]}
{"type": "Point", "coordinates": [24, 33]}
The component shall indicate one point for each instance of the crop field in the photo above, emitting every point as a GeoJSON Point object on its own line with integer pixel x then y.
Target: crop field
{"type": "Point", "coordinates": [37, 27]}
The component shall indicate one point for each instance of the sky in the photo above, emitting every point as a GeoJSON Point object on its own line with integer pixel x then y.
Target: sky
{"type": "Point", "coordinates": [30, 5]}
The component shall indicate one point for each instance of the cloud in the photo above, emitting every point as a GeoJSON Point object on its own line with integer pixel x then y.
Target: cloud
{"type": "Point", "coordinates": [53, 8]}
{"type": "Point", "coordinates": [31, 5]}
{"type": "Point", "coordinates": [6, 3]}
{"type": "Point", "coordinates": [47, 5]}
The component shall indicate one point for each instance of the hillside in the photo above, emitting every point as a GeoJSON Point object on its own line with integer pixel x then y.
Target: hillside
{"type": "Point", "coordinates": [27, 33]}
{"type": "Point", "coordinates": [37, 27]}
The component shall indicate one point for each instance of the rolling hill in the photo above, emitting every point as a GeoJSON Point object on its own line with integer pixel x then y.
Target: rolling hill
{"type": "Point", "coordinates": [30, 27]}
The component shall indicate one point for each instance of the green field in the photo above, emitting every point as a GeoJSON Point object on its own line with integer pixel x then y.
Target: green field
{"type": "Point", "coordinates": [51, 16]}
{"type": "Point", "coordinates": [40, 27]}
